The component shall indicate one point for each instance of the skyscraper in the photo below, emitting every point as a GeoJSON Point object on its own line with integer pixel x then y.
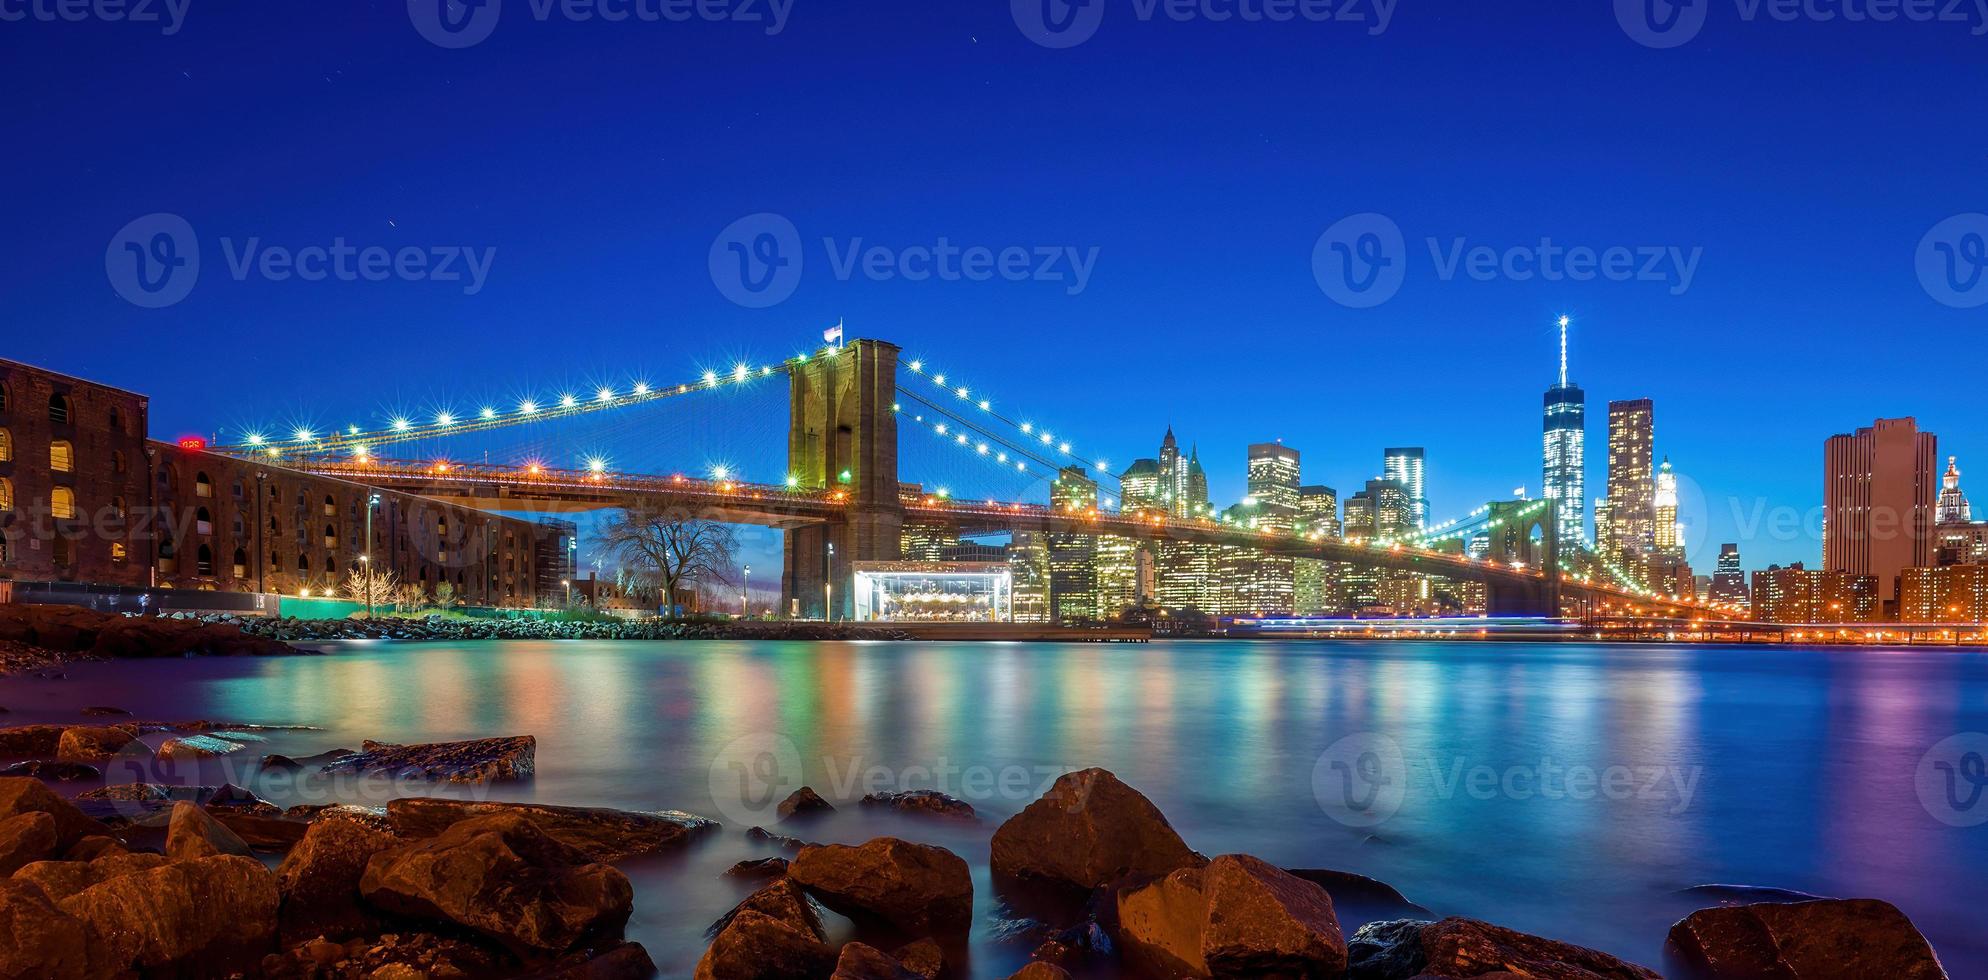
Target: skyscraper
{"type": "Point", "coordinates": [1669, 537]}
{"type": "Point", "coordinates": [1565, 457]}
{"type": "Point", "coordinates": [1197, 486]}
{"type": "Point", "coordinates": [1952, 507]}
{"type": "Point", "coordinates": [1729, 580]}
{"type": "Point", "coordinates": [1404, 466]}
{"type": "Point", "coordinates": [1632, 489]}
{"type": "Point", "coordinates": [1073, 565]}
{"type": "Point", "coordinates": [1273, 485]}
{"type": "Point", "coordinates": [1172, 476]}
{"type": "Point", "coordinates": [1139, 488]}
{"type": "Point", "coordinates": [1877, 500]}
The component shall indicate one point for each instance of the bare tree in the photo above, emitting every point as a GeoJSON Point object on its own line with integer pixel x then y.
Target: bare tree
{"type": "Point", "coordinates": [385, 584]}
{"type": "Point", "coordinates": [669, 548]}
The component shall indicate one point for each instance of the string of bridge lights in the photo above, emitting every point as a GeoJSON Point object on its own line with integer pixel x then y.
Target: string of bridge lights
{"type": "Point", "coordinates": [972, 438]}
{"type": "Point", "coordinates": [1039, 435]}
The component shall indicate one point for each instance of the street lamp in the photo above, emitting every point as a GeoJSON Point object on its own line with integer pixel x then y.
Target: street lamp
{"type": "Point", "coordinates": [828, 587]}
{"type": "Point", "coordinates": [745, 595]}
{"type": "Point", "coordinates": [366, 560]}
{"type": "Point", "coordinates": [568, 583]}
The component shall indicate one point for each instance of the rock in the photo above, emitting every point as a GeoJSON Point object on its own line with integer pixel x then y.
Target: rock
{"type": "Point", "coordinates": [92, 847]}
{"type": "Point", "coordinates": [228, 796]}
{"type": "Point", "coordinates": [261, 832]}
{"type": "Point", "coordinates": [1402, 949]}
{"type": "Point", "coordinates": [765, 836]}
{"type": "Point", "coordinates": [918, 889]}
{"type": "Point", "coordinates": [501, 876]}
{"type": "Point", "coordinates": [624, 961]}
{"type": "Point", "coordinates": [62, 879]}
{"type": "Point", "coordinates": [38, 940]}
{"type": "Point", "coordinates": [922, 801]}
{"type": "Point", "coordinates": [21, 795]}
{"type": "Point", "coordinates": [1746, 894]}
{"type": "Point", "coordinates": [475, 761]}
{"type": "Point", "coordinates": [756, 946]}
{"type": "Point", "coordinates": [49, 770]}
{"type": "Point", "coordinates": [30, 740]}
{"type": "Point", "coordinates": [1039, 970]}
{"type": "Point", "coordinates": [1804, 940]}
{"type": "Point", "coordinates": [1359, 891]}
{"type": "Point", "coordinates": [24, 839]}
{"type": "Point", "coordinates": [93, 744]}
{"type": "Point", "coordinates": [863, 962]}
{"type": "Point", "coordinates": [923, 958]}
{"type": "Point", "coordinates": [103, 711]}
{"type": "Point", "coordinates": [1237, 917]}
{"type": "Point", "coordinates": [602, 834]}
{"type": "Point", "coordinates": [763, 868]}
{"type": "Point", "coordinates": [209, 916]}
{"type": "Point", "coordinates": [802, 802]}
{"type": "Point", "coordinates": [372, 816]}
{"type": "Point", "coordinates": [781, 899]}
{"type": "Point", "coordinates": [319, 880]}
{"type": "Point", "coordinates": [279, 763]}
{"type": "Point", "coordinates": [194, 834]}
{"type": "Point", "coordinates": [193, 748]}
{"type": "Point", "coordinates": [135, 792]}
{"type": "Point", "coordinates": [1089, 829]}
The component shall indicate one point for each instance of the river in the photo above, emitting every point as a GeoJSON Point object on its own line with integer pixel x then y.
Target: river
{"type": "Point", "coordinates": [1566, 789]}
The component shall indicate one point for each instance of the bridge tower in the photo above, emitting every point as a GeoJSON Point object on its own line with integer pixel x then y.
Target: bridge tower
{"type": "Point", "coordinates": [1526, 533]}
{"type": "Point", "coordinates": [843, 435]}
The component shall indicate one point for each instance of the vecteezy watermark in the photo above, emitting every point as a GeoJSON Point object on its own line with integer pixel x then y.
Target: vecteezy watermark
{"type": "Point", "coordinates": [154, 261]}
{"type": "Point", "coordinates": [170, 15]}
{"type": "Point", "coordinates": [757, 262]}
{"type": "Point", "coordinates": [1068, 23]}
{"type": "Point", "coordinates": [1952, 780]}
{"type": "Point", "coordinates": [1363, 780]}
{"type": "Point", "coordinates": [1952, 260]}
{"type": "Point", "coordinates": [1362, 260]}
{"type": "Point", "coordinates": [1670, 23]}
{"type": "Point", "coordinates": [465, 23]}
{"type": "Point", "coordinates": [753, 773]}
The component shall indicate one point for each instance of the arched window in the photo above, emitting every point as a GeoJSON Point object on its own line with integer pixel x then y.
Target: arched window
{"type": "Point", "coordinates": [241, 563]}
{"type": "Point", "coordinates": [6, 446]}
{"type": "Point", "coordinates": [303, 562]}
{"type": "Point", "coordinates": [202, 486]}
{"type": "Point", "coordinates": [330, 536]}
{"type": "Point", "coordinates": [330, 506]}
{"type": "Point", "coordinates": [3, 396]}
{"type": "Point", "coordinates": [275, 495]}
{"type": "Point", "coordinates": [6, 495]}
{"type": "Point", "coordinates": [168, 480]}
{"type": "Point", "coordinates": [275, 561]}
{"type": "Point", "coordinates": [274, 526]}
{"type": "Point", "coordinates": [168, 557]}
{"type": "Point", "coordinates": [238, 526]}
{"type": "Point", "coordinates": [62, 503]}
{"type": "Point", "coordinates": [61, 457]}
{"type": "Point", "coordinates": [238, 491]}
{"type": "Point", "coordinates": [117, 508]}
{"type": "Point", "coordinates": [116, 420]}
{"type": "Point", "coordinates": [203, 522]}
{"type": "Point", "coordinates": [58, 408]}
{"type": "Point", "coordinates": [330, 567]}
{"type": "Point", "coordinates": [301, 501]}
{"type": "Point", "coordinates": [203, 561]}
{"type": "Point", "coordinates": [119, 463]}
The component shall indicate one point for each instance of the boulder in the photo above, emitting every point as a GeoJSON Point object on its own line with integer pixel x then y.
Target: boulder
{"type": "Point", "coordinates": [1402, 949]}
{"type": "Point", "coordinates": [774, 867]}
{"type": "Point", "coordinates": [1089, 829]}
{"type": "Point", "coordinates": [92, 847]}
{"type": "Point", "coordinates": [1375, 898]}
{"type": "Point", "coordinates": [859, 961]}
{"type": "Point", "coordinates": [802, 802]}
{"type": "Point", "coordinates": [1238, 917]}
{"type": "Point", "coordinates": [923, 958]}
{"type": "Point", "coordinates": [474, 761]}
{"type": "Point", "coordinates": [192, 833]}
{"type": "Point", "coordinates": [622, 961]}
{"type": "Point", "coordinates": [319, 880]}
{"type": "Point", "coordinates": [22, 795]}
{"type": "Point", "coordinates": [499, 875]}
{"type": "Point", "coordinates": [49, 770]}
{"type": "Point", "coordinates": [62, 879]}
{"type": "Point", "coordinates": [263, 833]}
{"type": "Point", "coordinates": [602, 834]}
{"type": "Point", "coordinates": [764, 836]}
{"type": "Point", "coordinates": [918, 889]}
{"type": "Point", "coordinates": [132, 792]}
{"type": "Point", "coordinates": [1804, 940]}
{"type": "Point", "coordinates": [24, 839]}
{"type": "Point", "coordinates": [209, 916]}
{"type": "Point", "coordinates": [781, 899]}
{"type": "Point", "coordinates": [21, 741]}
{"type": "Point", "coordinates": [104, 711]}
{"type": "Point", "coordinates": [757, 946]}
{"type": "Point", "coordinates": [1039, 970]}
{"type": "Point", "coordinates": [194, 748]}
{"type": "Point", "coordinates": [38, 940]}
{"type": "Point", "coordinates": [922, 801]}
{"type": "Point", "coordinates": [372, 816]}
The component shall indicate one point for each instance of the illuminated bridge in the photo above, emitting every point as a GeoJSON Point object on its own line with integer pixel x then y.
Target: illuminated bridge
{"type": "Point", "coordinates": [843, 487]}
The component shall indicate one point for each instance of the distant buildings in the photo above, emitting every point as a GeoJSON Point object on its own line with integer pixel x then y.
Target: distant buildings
{"type": "Point", "coordinates": [1627, 533]}
{"type": "Point", "coordinates": [1878, 497]}
{"type": "Point", "coordinates": [1404, 465]}
{"type": "Point", "coordinates": [1728, 578]}
{"type": "Point", "coordinates": [1073, 566]}
{"type": "Point", "coordinates": [1564, 461]}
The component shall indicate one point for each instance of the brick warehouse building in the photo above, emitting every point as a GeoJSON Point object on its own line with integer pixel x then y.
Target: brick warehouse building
{"type": "Point", "coordinates": [86, 497]}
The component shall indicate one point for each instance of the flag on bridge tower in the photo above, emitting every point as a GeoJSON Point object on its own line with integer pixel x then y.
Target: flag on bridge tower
{"type": "Point", "coordinates": [833, 335]}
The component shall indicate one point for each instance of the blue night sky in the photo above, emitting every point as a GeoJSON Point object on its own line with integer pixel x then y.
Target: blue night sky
{"type": "Point", "coordinates": [1201, 160]}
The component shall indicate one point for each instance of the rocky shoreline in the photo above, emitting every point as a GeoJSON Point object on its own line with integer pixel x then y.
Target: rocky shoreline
{"type": "Point", "coordinates": [140, 879]}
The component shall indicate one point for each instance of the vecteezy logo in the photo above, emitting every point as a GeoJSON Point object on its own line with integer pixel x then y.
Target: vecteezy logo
{"type": "Point", "coordinates": [1953, 780]}
{"type": "Point", "coordinates": [153, 261]}
{"type": "Point", "coordinates": [1953, 261]}
{"type": "Point", "coordinates": [1361, 260]}
{"type": "Point", "coordinates": [1661, 23]}
{"type": "Point", "coordinates": [756, 260]}
{"type": "Point", "coordinates": [752, 774]}
{"type": "Point", "coordinates": [1058, 23]}
{"type": "Point", "coordinates": [454, 23]}
{"type": "Point", "coordinates": [1361, 780]}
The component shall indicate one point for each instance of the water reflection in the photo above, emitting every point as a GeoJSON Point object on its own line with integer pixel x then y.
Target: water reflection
{"type": "Point", "coordinates": [1773, 767]}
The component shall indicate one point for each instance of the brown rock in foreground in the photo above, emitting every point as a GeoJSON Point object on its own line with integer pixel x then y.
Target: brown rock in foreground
{"type": "Point", "coordinates": [1238, 917]}
{"type": "Point", "coordinates": [923, 958]}
{"type": "Point", "coordinates": [319, 880]}
{"type": "Point", "coordinates": [473, 761]}
{"type": "Point", "coordinates": [503, 877]}
{"type": "Point", "coordinates": [30, 740]}
{"type": "Point", "coordinates": [1804, 941]}
{"type": "Point", "coordinates": [23, 795]}
{"type": "Point", "coordinates": [24, 839]}
{"type": "Point", "coordinates": [756, 946]}
{"type": "Point", "coordinates": [623, 961]}
{"type": "Point", "coordinates": [192, 833]}
{"type": "Point", "coordinates": [1040, 971]}
{"type": "Point", "coordinates": [602, 834]}
{"type": "Point", "coordinates": [1089, 829]}
{"type": "Point", "coordinates": [85, 743]}
{"type": "Point", "coordinates": [206, 917]}
{"type": "Point", "coordinates": [1402, 949]}
{"type": "Point", "coordinates": [918, 889]}
{"type": "Point", "coordinates": [860, 961]}
{"type": "Point", "coordinates": [802, 802]}
{"type": "Point", "coordinates": [37, 939]}
{"type": "Point", "coordinates": [61, 879]}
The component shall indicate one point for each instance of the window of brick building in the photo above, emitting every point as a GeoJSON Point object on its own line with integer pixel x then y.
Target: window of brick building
{"type": "Point", "coordinates": [330, 536]}
{"type": "Point", "coordinates": [6, 494]}
{"type": "Point", "coordinates": [65, 551]}
{"type": "Point", "coordinates": [61, 457]}
{"type": "Point", "coordinates": [241, 563]}
{"type": "Point", "coordinates": [202, 486]}
{"type": "Point", "coordinates": [6, 446]}
{"type": "Point", "coordinates": [203, 522]}
{"type": "Point", "coordinates": [116, 420]}
{"type": "Point", "coordinates": [62, 503]}
{"type": "Point", "coordinates": [117, 508]}
{"type": "Point", "coordinates": [119, 463]}
{"type": "Point", "coordinates": [330, 506]}
{"type": "Point", "coordinates": [3, 397]}
{"type": "Point", "coordinates": [204, 561]}
{"type": "Point", "coordinates": [238, 491]}
{"type": "Point", "coordinates": [58, 409]}
{"type": "Point", "coordinates": [168, 557]}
